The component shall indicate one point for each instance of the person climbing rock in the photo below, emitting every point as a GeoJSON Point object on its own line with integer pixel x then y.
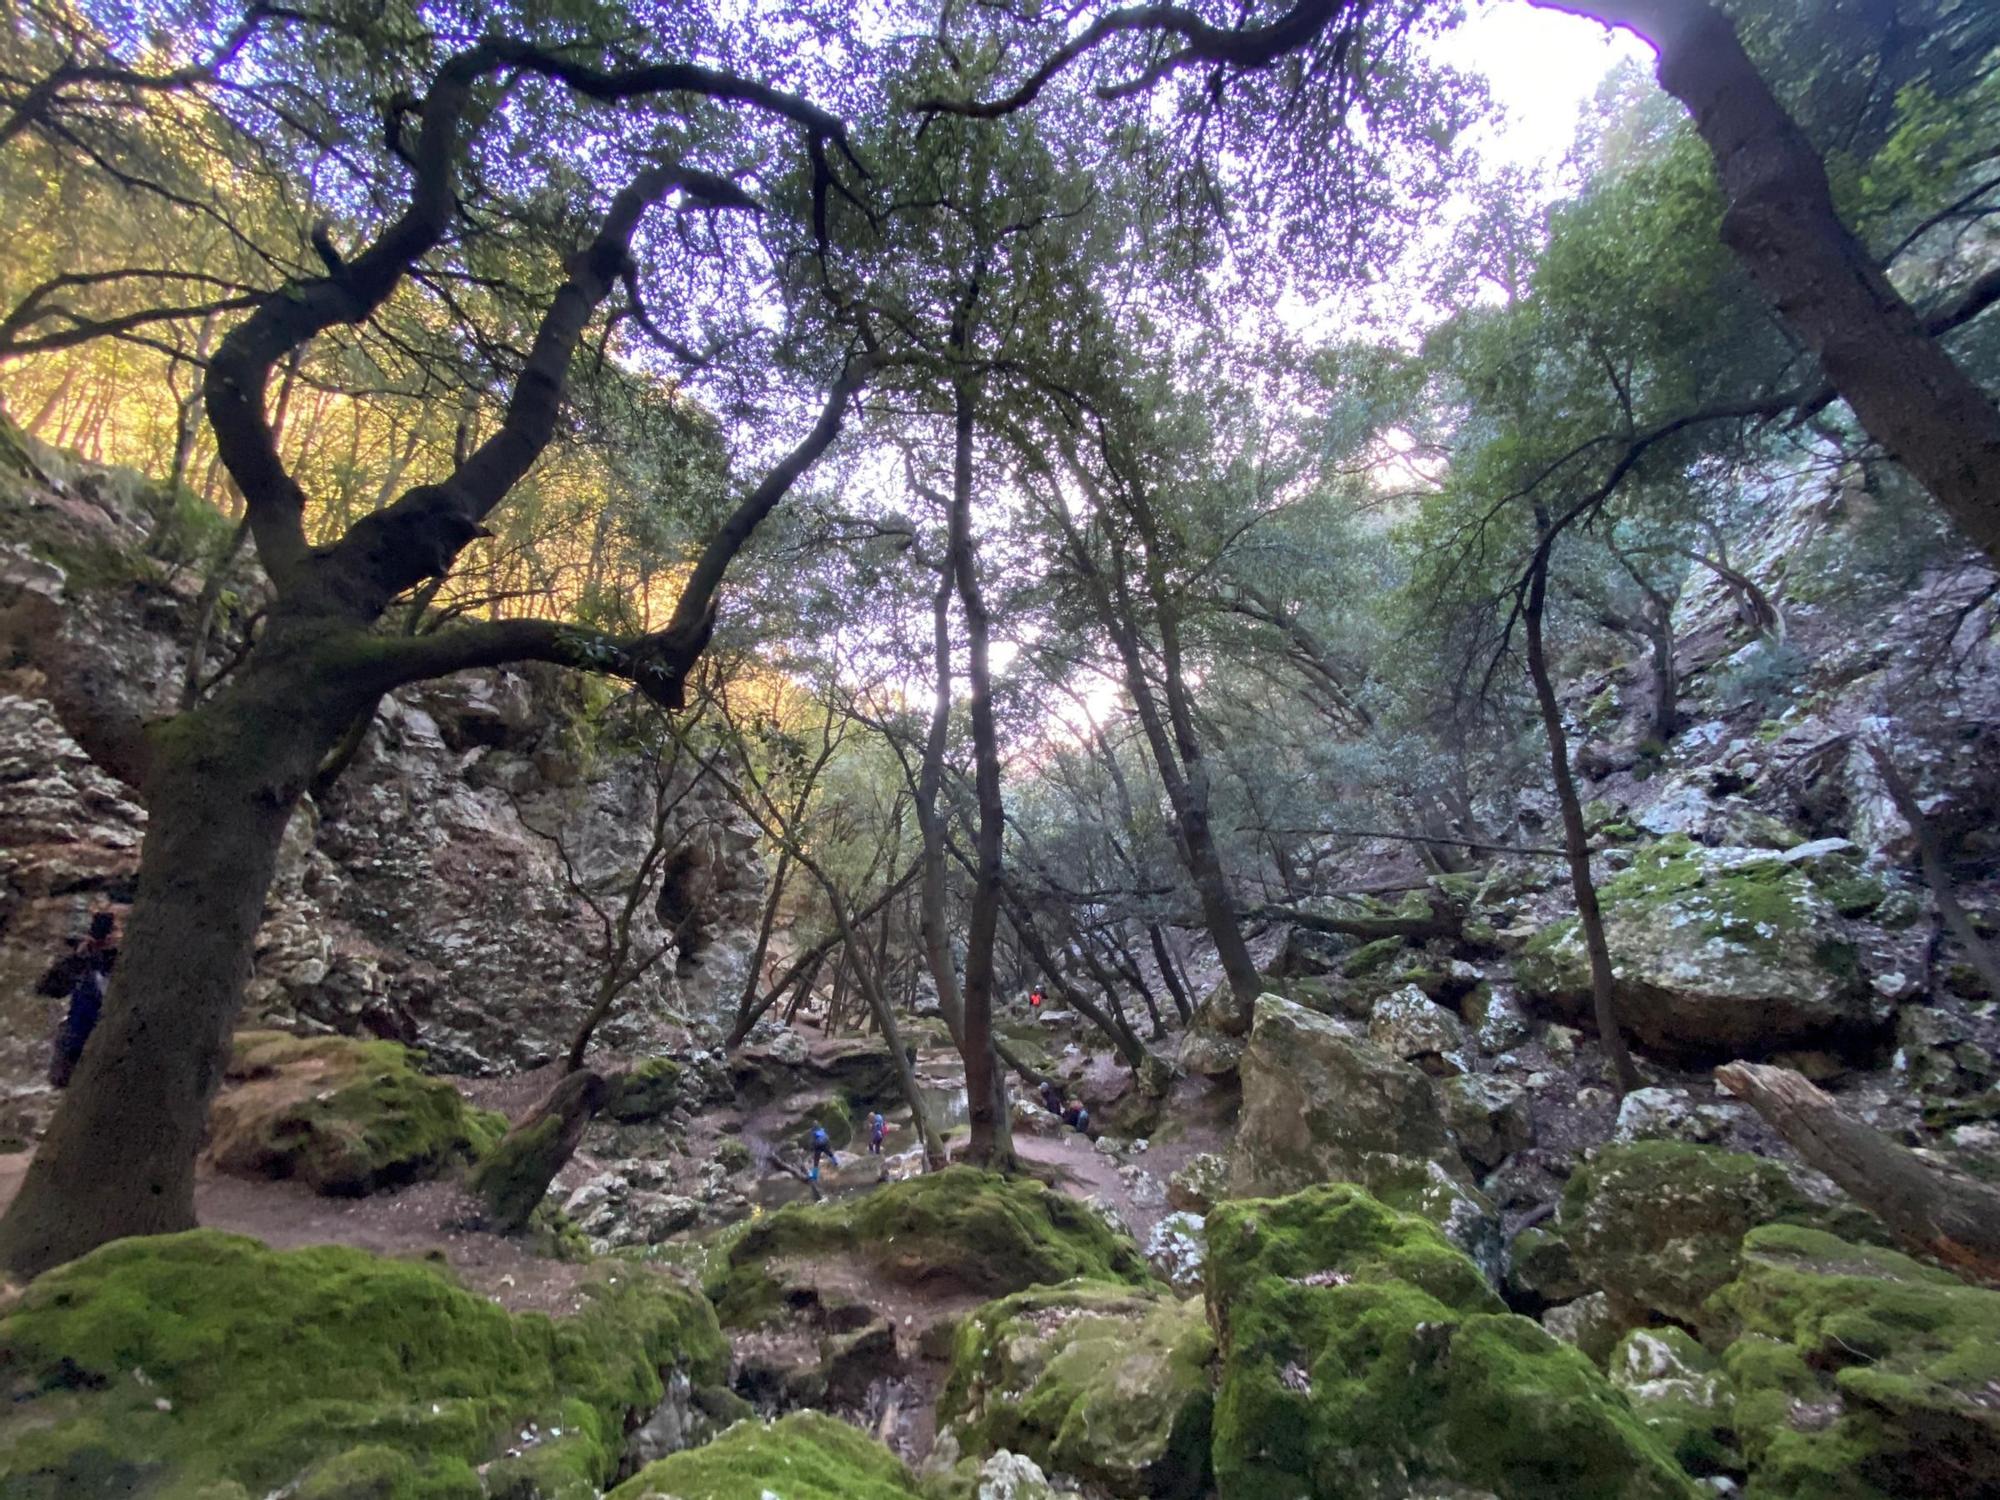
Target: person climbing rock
{"type": "Point", "coordinates": [822, 1145]}
{"type": "Point", "coordinates": [1052, 1098]}
{"type": "Point", "coordinates": [877, 1128]}
{"type": "Point", "coordinates": [1076, 1116]}
{"type": "Point", "coordinates": [80, 975]}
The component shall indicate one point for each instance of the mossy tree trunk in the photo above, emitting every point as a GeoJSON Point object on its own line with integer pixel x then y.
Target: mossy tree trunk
{"type": "Point", "coordinates": [223, 782]}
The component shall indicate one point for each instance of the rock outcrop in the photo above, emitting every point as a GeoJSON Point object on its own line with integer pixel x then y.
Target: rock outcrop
{"type": "Point", "coordinates": [1717, 953]}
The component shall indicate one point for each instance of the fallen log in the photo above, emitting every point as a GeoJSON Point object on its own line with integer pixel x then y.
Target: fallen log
{"type": "Point", "coordinates": [1951, 1219]}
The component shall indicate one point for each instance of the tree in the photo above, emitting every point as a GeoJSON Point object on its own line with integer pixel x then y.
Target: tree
{"type": "Point", "coordinates": [221, 780]}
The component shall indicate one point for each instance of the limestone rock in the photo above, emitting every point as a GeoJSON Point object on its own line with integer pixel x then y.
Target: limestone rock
{"type": "Point", "coordinates": [1322, 1106]}
{"type": "Point", "coordinates": [1657, 1224]}
{"type": "Point", "coordinates": [1859, 1371]}
{"type": "Point", "coordinates": [1715, 952]}
{"type": "Point", "coordinates": [1176, 1249]}
{"type": "Point", "coordinates": [1110, 1386]}
{"type": "Point", "coordinates": [1014, 1476]}
{"type": "Point", "coordinates": [1196, 1187]}
{"type": "Point", "coordinates": [1491, 1117]}
{"type": "Point", "coordinates": [343, 1116]}
{"type": "Point", "coordinates": [1541, 1269]}
{"type": "Point", "coordinates": [1389, 1368]}
{"type": "Point", "coordinates": [1667, 1114]}
{"type": "Point", "coordinates": [1679, 1391]}
{"type": "Point", "coordinates": [1409, 1024]}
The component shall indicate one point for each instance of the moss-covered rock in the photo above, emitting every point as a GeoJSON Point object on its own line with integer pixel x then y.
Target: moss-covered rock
{"type": "Point", "coordinates": [647, 1091]}
{"type": "Point", "coordinates": [1372, 958]}
{"type": "Point", "coordinates": [1715, 952]}
{"type": "Point", "coordinates": [1679, 1391]}
{"type": "Point", "coordinates": [1102, 1383]}
{"type": "Point", "coordinates": [346, 1116]}
{"type": "Point", "coordinates": [1541, 1269]}
{"type": "Point", "coordinates": [184, 1364]}
{"type": "Point", "coordinates": [804, 1456]}
{"type": "Point", "coordinates": [1320, 1105]}
{"type": "Point", "coordinates": [1861, 1373]}
{"type": "Point", "coordinates": [959, 1228]}
{"type": "Point", "coordinates": [1363, 1355]}
{"type": "Point", "coordinates": [1658, 1224]}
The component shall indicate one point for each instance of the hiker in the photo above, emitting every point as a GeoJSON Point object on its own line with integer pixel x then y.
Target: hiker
{"type": "Point", "coordinates": [1076, 1116]}
{"type": "Point", "coordinates": [822, 1145]}
{"type": "Point", "coordinates": [1035, 998]}
{"type": "Point", "coordinates": [79, 975]}
{"type": "Point", "coordinates": [877, 1128]}
{"type": "Point", "coordinates": [1052, 1098]}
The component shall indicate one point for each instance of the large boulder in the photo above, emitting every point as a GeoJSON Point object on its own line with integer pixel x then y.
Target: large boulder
{"type": "Point", "coordinates": [959, 1229]}
{"type": "Point", "coordinates": [344, 1116]}
{"type": "Point", "coordinates": [206, 1364]}
{"type": "Point", "coordinates": [1363, 1355]}
{"type": "Point", "coordinates": [1104, 1384]}
{"type": "Point", "coordinates": [805, 1456]}
{"type": "Point", "coordinates": [1860, 1373]}
{"type": "Point", "coordinates": [1715, 953]}
{"type": "Point", "coordinates": [1658, 1225]}
{"type": "Point", "coordinates": [1320, 1105]}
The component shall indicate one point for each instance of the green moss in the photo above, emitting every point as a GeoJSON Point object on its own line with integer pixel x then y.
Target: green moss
{"type": "Point", "coordinates": [345, 1116]}
{"type": "Point", "coordinates": [1855, 897]}
{"type": "Point", "coordinates": [1371, 958]}
{"type": "Point", "coordinates": [1680, 1394]}
{"type": "Point", "coordinates": [1658, 1224]}
{"type": "Point", "coordinates": [733, 1155]}
{"type": "Point", "coordinates": [1361, 1354]}
{"type": "Point", "coordinates": [1861, 1372]}
{"type": "Point", "coordinates": [513, 1177]}
{"type": "Point", "coordinates": [646, 1092]}
{"type": "Point", "coordinates": [1105, 1384]}
{"type": "Point", "coordinates": [957, 1228]}
{"type": "Point", "coordinates": [194, 1360]}
{"type": "Point", "coordinates": [804, 1456]}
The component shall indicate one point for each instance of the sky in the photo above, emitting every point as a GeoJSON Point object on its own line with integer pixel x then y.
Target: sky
{"type": "Point", "coordinates": [1543, 66]}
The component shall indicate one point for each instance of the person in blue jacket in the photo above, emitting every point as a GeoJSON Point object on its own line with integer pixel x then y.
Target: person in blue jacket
{"type": "Point", "coordinates": [822, 1145]}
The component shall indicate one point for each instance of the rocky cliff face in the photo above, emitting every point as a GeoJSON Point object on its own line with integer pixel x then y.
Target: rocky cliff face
{"type": "Point", "coordinates": [437, 893]}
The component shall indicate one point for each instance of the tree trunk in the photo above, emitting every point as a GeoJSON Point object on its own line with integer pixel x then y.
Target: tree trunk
{"type": "Point", "coordinates": [1779, 218]}
{"type": "Point", "coordinates": [1170, 972]}
{"type": "Point", "coordinates": [1576, 842]}
{"type": "Point", "coordinates": [514, 1179]}
{"type": "Point", "coordinates": [1937, 874]}
{"type": "Point", "coordinates": [1955, 1220]}
{"type": "Point", "coordinates": [223, 781]}
{"type": "Point", "coordinates": [991, 1143]}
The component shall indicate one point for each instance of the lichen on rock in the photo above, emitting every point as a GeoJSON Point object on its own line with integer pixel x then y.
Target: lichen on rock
{"type": "Point", "coordinates": [1715, 952]}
